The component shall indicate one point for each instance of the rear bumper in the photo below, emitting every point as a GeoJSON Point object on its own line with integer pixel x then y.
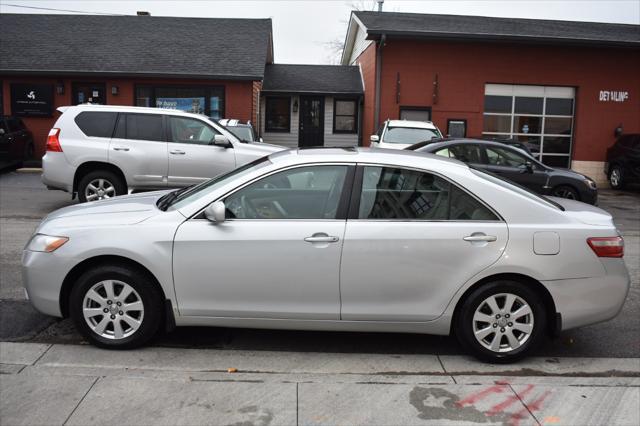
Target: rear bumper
{"type": "Point", "coordinates": [57, 173]}
{"type": "Point", "coordinates": [585, 301]}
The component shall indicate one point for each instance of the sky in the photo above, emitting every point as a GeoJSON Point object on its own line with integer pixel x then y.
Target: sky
{"type": "Point", "coordinates": [304, 30]}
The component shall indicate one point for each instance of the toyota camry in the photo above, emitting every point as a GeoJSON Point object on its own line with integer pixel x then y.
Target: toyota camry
{"type": "Point", "coordinates": [333, 239]}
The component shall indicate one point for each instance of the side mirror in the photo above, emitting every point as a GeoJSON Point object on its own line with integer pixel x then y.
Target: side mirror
{"type": "Point", "coordinates": [215, 212]}
{"type": "Point", "coordinates": [374, 138]}
{"type": "Point", "coordinates": [528, 167]}
{"type": "Point", "coordinates": [222, 141]}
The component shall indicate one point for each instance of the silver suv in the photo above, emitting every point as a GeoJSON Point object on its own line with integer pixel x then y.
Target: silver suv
{"type": "Point", "coordinates": [102, 151]}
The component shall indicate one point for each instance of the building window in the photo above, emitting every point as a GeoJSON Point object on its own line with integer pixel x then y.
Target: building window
{"type": "Point", "coordinates": [537, 116]}
{"type": "Point", "coordinates": [456, 128]}
{"type": "Point", "coordinates": [278, 114]}
{"type": "Point", "coordinates": [415, 113]}
{"type": "Point", "coordinates": [345, 116]}
{"type": "Point", "coordinates": [204, 100]}
{"type": "Point", "coordinates": [92, 93]}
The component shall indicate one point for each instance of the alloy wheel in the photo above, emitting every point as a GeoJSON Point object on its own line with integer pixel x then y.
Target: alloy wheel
{"type": "Point", "coordinates": [99, 189]}
{"type": "Point", "coordinates": [503, 322]}
{"type": "Point", "coordinates": [564, 192]}
{"type": "Point", "coordinates": [615, 177]}
{"type": "Point", "coordinates": [113, 309]}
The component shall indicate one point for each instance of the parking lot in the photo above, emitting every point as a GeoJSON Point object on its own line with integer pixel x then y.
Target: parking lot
{"type": "Point", "coordinates": [24, 201]}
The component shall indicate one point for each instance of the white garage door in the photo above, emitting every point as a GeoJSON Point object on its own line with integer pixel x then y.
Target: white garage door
{"type": "Point", "coordinates": [539, 116]}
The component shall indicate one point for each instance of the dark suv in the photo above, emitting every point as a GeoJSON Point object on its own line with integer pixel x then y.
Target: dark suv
{"type": "Point", "coordinates": [16, 141]}
{"type": "Point", "coordinates": [623, 161]}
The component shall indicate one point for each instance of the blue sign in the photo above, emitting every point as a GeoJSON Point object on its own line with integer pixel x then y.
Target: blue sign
{"type": "Point", "coordinates": [195, 105]}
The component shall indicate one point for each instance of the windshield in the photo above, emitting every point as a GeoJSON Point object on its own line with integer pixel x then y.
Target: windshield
{"type": "Point", "coordinates": [512, 186]}
{"type": "Point", "coordinates": [244, 133]}
{"type": "Point", "coordinates": [206, 187]}
{"type": "Point", "coordinates": [409, 135]}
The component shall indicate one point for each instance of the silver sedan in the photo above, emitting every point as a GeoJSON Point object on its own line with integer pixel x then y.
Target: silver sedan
{"type": "Point", "coordinates": [333, 239]}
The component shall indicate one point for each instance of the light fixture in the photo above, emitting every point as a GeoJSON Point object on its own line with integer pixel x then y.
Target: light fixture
{"type": "Point", "coordinates": [60, 88]}
{"type": "Point", "coordinates": [114, 90]}
{"type": "Point", "coordinates": [295, 105]}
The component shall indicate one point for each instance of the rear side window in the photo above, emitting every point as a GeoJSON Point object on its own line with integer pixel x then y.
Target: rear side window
{"type": "Point", "coordinates": [96, 123]}
{"type": "Point", "coordinates": [401, 194]}
{"type": "Point", "coordinates": [146, 127]}
{"type": "Point", "coordinates": [15, 124]}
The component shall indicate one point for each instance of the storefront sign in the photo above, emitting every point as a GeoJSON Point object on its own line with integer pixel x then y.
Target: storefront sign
{"type": "Point", "coordinates": [32, 100]}
{"type": "Point", "coordinates": [613, 96]}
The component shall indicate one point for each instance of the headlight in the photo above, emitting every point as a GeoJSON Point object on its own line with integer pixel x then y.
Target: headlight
{"type": "Point", "coordinates": [591, 184]}
{"type": "Point", "coordinates": [46, 243]}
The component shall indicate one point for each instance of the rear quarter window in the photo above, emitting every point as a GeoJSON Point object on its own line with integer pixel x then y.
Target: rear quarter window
{"type": "Point", "coordinates": [96, 123]}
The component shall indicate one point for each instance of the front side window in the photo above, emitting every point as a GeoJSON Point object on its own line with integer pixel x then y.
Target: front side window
{"type": "Point", "coordinates": [409, 135]}
{"type": "Point", "coordinates": [189, 130]}
{"type": "Point", "coordinates": [300, 193]}
{"type": "Point", "coordinates": [402, 194]}
{"type": "Point", "coordinates": [345, 116]}
{"type": "Point", "coordinates": [504, 157]}
{"type": "Point", "coordinates": [146, 127]}
{"type": "Point", "coordinates": [278, 114]}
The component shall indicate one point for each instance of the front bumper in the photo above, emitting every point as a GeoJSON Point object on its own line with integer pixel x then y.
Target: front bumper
{"type": "Point", "coordinates": [42, 277]}
{"type": "Point", "coordinates": [585, 301]}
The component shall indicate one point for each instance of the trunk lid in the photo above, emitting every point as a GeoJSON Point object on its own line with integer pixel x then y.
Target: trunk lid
{"type": "Point", "coordinates": [585, 213]}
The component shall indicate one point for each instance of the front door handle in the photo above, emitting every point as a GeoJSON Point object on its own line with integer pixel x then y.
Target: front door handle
{"type": "Point", "coordinates": [177, 152]}
{"type": "Point", "coordinates": [120, 148]}
{"type": "Point", "coordinates": [480, 238]}
{"type": "Point", "coordinates": [321, 238]}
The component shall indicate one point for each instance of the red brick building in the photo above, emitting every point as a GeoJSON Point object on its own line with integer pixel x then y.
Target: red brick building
{"type": "Point", "coordinates": [562, 87]}
{"type": "Point", "coordinates": [209, 66]}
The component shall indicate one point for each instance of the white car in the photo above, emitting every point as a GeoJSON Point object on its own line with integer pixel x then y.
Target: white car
{"type": "Point", "coordinates": [400, 134]}
{"type": "Point", "coordinates": [333, 239]}
{"type": "Point", "coordinates": [100, 151]}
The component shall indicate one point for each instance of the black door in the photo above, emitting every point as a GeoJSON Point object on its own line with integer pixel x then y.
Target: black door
{"type": "Point", "coordinates": [94, 93]}
{"type": "Point", "coordinates": [311, 131]}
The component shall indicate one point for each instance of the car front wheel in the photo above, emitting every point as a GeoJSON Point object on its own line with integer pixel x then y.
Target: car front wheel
{"type": "Point", "coordinates": [501, 322]}
{"type": "Point", "coordinates": [116, 307]}
{"type": "Point", "coordinates": [615, 178]}
{"type": "Point", "coordinates": [565, 191]}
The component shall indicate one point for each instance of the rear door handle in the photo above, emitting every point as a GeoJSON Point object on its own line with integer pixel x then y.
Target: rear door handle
{"type": "Point", "coordinates": [120, 148]}
{"type": "Point", "coordinates": [480, 237]}
{"type": "Point", "coordinates": [321, 238]}
{"type": "Point", "coordinates": [177, 152]}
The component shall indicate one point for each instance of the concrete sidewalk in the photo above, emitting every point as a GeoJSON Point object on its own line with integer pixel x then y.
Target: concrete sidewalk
{"type": "Point", "coordinates": [76, 384]}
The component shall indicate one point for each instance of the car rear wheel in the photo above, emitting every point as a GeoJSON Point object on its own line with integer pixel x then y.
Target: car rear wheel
{"type": "Point", "coordinates": [615, 178]}
{"type": "Point", "coordinates": [100, 185]}
{"type": "Point", "coordinates": [116, 307]}
{"type": "Point", "coordinates": [501, 321]}
{"type": "Point", "coordinates": [565, 191]}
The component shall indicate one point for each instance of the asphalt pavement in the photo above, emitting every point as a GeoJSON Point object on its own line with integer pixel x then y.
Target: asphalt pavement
{"type": "Point", "coordinates": [24, 201]}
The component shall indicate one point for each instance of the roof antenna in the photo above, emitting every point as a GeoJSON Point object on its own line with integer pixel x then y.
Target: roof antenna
{"type": "Point", "coordinates": [380, 2]}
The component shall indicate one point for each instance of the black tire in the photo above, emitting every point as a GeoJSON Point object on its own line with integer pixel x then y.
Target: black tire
{"type": "Point", "coordinates": [114, 180]}
{"type": "Point", "coordinates": [150, 296]}
{"type": "Point", "coordinates": [566, 191]}
{"type": "Point", "coordinates": [464, 327]}
{"type": "Point", "coordinates": [616, 177]}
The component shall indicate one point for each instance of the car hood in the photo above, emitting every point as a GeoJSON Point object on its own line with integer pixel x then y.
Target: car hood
{"type": "Point", "coordinates": [122, 210]}
{"type": "Point", "coordinates": [585, 213]}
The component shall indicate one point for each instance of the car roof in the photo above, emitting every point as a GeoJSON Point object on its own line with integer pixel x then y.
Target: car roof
{"type": "Point", "coordinates": [411, 124]}
{"type": "Point", "coordinates": [450, 141]}
{"type": "Point", "coordinates": [233, 122]}
{"type": "Point", "coordinates": [125, 108]}
{"type": "Point", "coordinates": [363, 155]}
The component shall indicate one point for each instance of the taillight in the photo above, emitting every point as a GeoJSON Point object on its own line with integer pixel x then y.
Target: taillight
{"type": "Point", "coordinates": [53, 143]}
{"type": "Point", "coordinates": [607, 246]}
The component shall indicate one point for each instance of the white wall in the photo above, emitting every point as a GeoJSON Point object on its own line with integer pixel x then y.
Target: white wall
{"type": "Point", "coordinates": [359, 45]}
{"type": "Point", "coordinates": [291, 139]}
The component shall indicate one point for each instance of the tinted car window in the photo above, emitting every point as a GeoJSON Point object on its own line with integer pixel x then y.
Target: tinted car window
{"type": "Point", "coordinates": [15, 124]}
{"type": "Point", "coordinates": [468, 153]}
{"type": "Point", "coordinates": [394, 193]}
{"type": "Point", "coordinates": [300, 193]}
{"type": "Point", "coordinates": [504, 157]}
{"type": "Point", "coordinates": [96, 123]}
{"type": "Point", "coordinates": [189, 130]}
{"type": "Point", "coordinates": [147, 127]}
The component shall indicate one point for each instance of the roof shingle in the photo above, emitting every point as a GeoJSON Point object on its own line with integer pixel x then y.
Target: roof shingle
{"type": "Point", "coordinates": [490, 28]}
{"type": "Point", "coordinates": [135, 45]}
{"type": "Point", "coordinates": [326, 79]}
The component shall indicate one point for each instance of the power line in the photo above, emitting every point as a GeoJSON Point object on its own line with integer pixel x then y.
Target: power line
{"type": "Point", "coordinates": [60, 10]}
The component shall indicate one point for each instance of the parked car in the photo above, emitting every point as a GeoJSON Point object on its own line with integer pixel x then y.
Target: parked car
{"type": "Point", "coordinates": [399, 134]}
{"type": "Point", "coordinates": [243, 131]}
{"type": "Point", "coordinates": [16, 141]}
{"type": "Point", "coordinates": [623, 161]}
{"type": "Point", "coordinates": [431, 246]}
{"type": "Point", "coordinates": [102, 151]}
{"type": "Point", "coordinates": [517, 166]}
